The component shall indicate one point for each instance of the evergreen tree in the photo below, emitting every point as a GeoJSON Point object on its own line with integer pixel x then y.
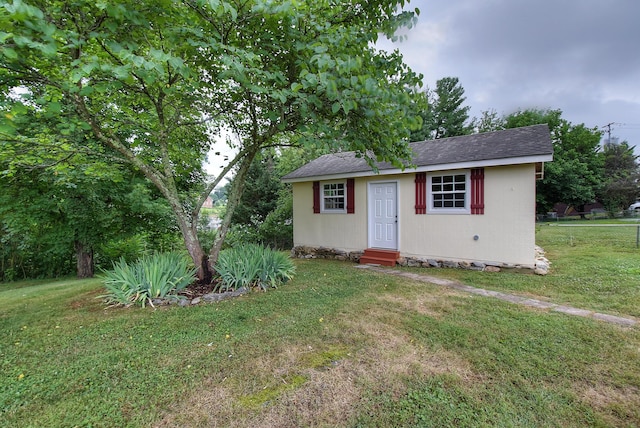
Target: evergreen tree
{"type": "Point", "coordinates": [444, 116]}
{"type": "Point", "coordinates": [450, 117]}
{"type": "Point", "coordinates": [260, 195]}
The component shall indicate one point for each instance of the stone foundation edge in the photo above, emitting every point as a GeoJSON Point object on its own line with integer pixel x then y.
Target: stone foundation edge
{"type": "Point", "coordinates": [541, 266]}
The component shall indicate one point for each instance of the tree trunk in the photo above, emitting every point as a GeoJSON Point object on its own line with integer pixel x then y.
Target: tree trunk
{"type": "Point", "coordinates": [84, 260]}
{"type": "Point", "coordinates": [581, 212]}
{"type": "Point", "coordinates": [199, 257]}
{"type": "Point", "coordinates": [232, 202]}
{"type": "Point", "coordinates": [189, 232]}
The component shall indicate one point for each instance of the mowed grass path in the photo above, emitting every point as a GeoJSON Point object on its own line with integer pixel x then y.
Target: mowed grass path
{"type": "Point", "coordinates": [337, 346]}
{"type": "Point", "coordinates": [595, 268]}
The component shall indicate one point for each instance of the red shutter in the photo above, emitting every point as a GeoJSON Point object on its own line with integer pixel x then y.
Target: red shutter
{"type": "Point", "coordinates": [477, 191]}
{"type": "Point", "coordinates": [316, 197]}
{"type": "Point", "coordinates": [351, 196]}
{"type": "Point", "coordinates": [421, 193]}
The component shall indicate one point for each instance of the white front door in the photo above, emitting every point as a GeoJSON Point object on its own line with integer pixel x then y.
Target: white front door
{"type": "Point", "coordinates": [383, 216]}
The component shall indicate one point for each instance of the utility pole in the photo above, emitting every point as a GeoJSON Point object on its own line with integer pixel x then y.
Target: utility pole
{"type": "Point", "coordinates": [609, 127]}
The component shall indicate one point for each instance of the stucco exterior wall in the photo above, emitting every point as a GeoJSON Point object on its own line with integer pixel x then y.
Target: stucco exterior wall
{"type": "Point", "coordinates": [342, 231]}
{"type": "Point", "coordinates": [506, 230]}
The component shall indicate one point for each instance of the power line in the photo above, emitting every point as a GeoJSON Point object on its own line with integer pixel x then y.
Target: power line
{"type": "Point", "coordinates": [630, 125]}
{"type": "Point", "coordinates": [620, 125]}
{"type": "Point", "coordinates": [609, 126]}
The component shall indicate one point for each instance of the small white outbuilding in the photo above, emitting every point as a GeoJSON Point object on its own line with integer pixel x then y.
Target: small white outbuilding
{"type": "Point", "coordinates": [467, 200]}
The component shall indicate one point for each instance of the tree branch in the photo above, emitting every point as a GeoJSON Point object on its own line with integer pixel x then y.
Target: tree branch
{"type": "Point", "coordinates": [150, 172]}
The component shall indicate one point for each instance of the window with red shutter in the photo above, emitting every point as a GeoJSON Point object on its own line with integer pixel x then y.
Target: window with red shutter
{"type": "Point", "coordinates": [334, 197]}
{"type": "Point", "coordinates": [460, 192]}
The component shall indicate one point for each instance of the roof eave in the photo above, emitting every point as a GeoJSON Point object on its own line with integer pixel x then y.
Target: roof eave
{"type": "Point", "coordinates": [428, 168]}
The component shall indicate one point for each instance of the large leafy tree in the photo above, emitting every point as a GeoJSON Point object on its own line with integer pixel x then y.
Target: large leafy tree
{"type": "Point", "coordinates": [154, 80]}
{"type": "Point", "coordinates": [68, 212]}
{"type": "Point", "coordinates": [621, 173]}
{"type": "Point", "coordinates": [576, 173]}
{"type": "Point", "coordinates": [65, 196]}
{"type": "Point", "coordinates": [445, 115]}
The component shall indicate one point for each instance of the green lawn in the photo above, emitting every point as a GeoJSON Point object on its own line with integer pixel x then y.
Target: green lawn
{"type": "Point", "coordinates": [595, 268]}
{"type": "Point", "coordinates": [337, 346]}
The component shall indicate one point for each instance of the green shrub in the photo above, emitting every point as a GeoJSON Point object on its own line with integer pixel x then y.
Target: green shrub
{"type": "Point", "coordinates": [151, 277]}
{"type": "Point", "coordinates": [241, 234]}
{"type": "Point", "coordinates": [250, 265]}
{"type": "Point", "coordinates": [127, 248]}
{"type": "Point", "coordinates": [276, 230]}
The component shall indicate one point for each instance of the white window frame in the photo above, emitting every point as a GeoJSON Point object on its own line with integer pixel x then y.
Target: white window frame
{"type": "Point", "coordinates": [449, 210]}
{"type": "Point", "coordinates": [323, 197]}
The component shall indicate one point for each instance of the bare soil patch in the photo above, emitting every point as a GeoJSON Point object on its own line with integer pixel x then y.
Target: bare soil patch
{"type": "Point", "coordinates": [611, 401]}
{"type": "Point", "coordinates": [198, 289]}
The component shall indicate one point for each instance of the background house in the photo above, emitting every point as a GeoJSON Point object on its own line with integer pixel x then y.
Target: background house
{"type": "Point", "coordinates": [208, 203]}
{"type": "Point", "coordinates": [466, 200]}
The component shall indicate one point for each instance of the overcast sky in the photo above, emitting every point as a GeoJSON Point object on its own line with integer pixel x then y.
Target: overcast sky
{"type": "Point", "coordinates": [579, 56]}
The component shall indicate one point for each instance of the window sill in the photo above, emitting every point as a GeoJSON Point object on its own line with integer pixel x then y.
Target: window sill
{"type": "Point", "coordinates": [448, 212]}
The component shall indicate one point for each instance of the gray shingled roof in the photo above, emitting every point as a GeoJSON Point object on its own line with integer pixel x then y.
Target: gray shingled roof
{"type": "Point", "coordinates": [526, 142]}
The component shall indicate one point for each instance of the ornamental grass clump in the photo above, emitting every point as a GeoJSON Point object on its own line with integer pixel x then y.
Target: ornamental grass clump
{"type": "Point", "coordinates": [251, 265]}
{"type": "Point", "coordinates": [160, 276]}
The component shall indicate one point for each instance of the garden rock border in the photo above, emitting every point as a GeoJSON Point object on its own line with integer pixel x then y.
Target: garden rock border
{"type": "Point", "coordinates": [206, 298]}
{"type": "Point", "coordinates": [541, 266]}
